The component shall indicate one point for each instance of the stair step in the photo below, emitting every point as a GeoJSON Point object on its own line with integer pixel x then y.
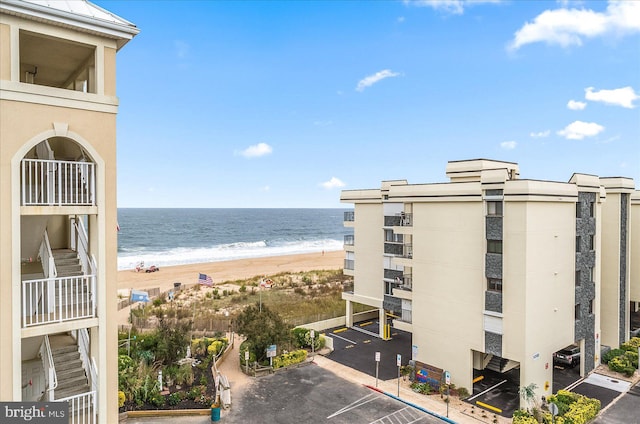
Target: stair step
{"type": "Point", "coordinates": [70, 373]}
{"type": "Point", "coordinates": [64, 349]}
{"type": "Point", "coordinates": [66, 392]}
{"type": "Point", "coordinates": [66, 357]}
{"type": "Point", "coordinates": [73, 382]}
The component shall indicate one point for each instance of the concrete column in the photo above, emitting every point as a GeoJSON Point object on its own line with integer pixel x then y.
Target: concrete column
{"type": "Point", "coordinates": [382, 319]}
{"type": "Point", "coordinates": [349, 314]}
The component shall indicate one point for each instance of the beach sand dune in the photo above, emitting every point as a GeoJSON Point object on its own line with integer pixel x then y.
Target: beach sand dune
{"type": "Point", "coordinates": [229, 270]}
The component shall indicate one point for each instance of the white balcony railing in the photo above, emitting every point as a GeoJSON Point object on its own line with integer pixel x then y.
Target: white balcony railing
{"type": "Point", "coordinates": [82, 408]}
{"type": "Point", "coordinates": [52, 300]}
{"type": "Point", "coordinates": [57, 182]}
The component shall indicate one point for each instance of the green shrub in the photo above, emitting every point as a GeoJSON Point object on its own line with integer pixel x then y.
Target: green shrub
{"type": "Point", "coordinates": [632, 345]}
{"type": "Point", "coordinates": [463, 392]}
{"type": "Point", "coordinates": [613, 353]}
{"type": "Point", "coordinates": [623, 364]}
{"type": "Point", "coordinates": [423, 388]}
{"type": "Point", "coordinates": [522, 416]}
{"type": "Point", "coordinates": [175, 398]}
{"type": "Point", "coordinates": [290, 358]}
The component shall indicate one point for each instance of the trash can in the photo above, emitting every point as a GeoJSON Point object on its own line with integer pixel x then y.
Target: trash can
{"type": "Point", "coordinates": [215, 413]}
{"type": "Point", "coordinates": [177, 285]}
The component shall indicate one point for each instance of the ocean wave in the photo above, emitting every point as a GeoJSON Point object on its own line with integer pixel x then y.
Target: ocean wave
{"type": "Point", "coordinates": [127, 259]}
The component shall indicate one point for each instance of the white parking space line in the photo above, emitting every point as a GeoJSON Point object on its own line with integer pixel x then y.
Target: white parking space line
{"type": "Point", "coordinates": [406, 415]}
{"type": "Point", "coordinates": [368, 398]}
{"type": "Point", "coordinates": [488, 390]}
{"type": "Point", "coordinates": [344, 338]}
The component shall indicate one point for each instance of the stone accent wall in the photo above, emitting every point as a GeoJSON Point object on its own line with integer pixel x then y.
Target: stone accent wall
{"type": "Point", "coordinates": [624, 304]}
{"type": "Point", "coordinates": [584, 328]}
{"type": "Point", "coordinates": [493, 343]}
{"type": "Point", "coordinates": [494, 227]}
{"type": "Point", "coordinates": [493, 301]}
{"type": "Point", "coordinates": [493, 265]}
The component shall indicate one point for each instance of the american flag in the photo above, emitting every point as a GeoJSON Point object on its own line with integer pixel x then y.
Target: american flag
{"type": "Point", "coordinates": [205, 279]}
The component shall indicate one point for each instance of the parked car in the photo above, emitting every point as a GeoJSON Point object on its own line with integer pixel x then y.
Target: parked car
{"type": "Point", "coordinates": [570, 355]}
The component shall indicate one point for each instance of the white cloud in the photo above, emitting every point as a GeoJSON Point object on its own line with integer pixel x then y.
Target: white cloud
{"type": "Point", "coordinates": [266, 188]}
{"type": "Point", "coordinates": [332, 183]}
{"type": "Point", "coordinates": [576, 105]}
{"type": "Point", "coordinates": [578, 130]}
{"type": "Point", "coordinates": [400, 19]}
{"type": "Point", "coordinates": [256, 150]}
{"type": "Point", "coordinates": [620, 96]}
{"type": "Point", "coordinates": [567, 27]}
{"type": "Point", "coordinates": [377, 77]}
{"type": "Point", "coordinates": [540, 134]}
{"type": "Point", "coordinates": [509, 145]}
{"type": "Point", "coordinates": [455, 7]}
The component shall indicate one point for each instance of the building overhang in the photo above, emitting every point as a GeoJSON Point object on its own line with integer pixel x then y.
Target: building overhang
{"type": "Point", "coordinates": [80, 16]}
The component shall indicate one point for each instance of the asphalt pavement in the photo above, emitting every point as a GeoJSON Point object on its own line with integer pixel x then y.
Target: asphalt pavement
{"type": "Point", "coordinates": [357, 349]}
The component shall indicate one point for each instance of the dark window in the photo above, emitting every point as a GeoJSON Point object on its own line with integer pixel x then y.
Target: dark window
{"type": "Point", "coordinates": [494, 284]}
{"type": "Point", "coordinates": [592, 209]}
{"type": "Point", "coordinates": [590, 242]}
{"type": "Point", "coordinates": [578, 241]}
{"type": "Point", "coordinates": [494, 246]}
{"type": "Point", "coordinates": [578, 210]}
{"type": "Point", "coordinates": [577, 313]}
{"type": "Point", "coordinates": [494, 208]}
{"type": "Point", "coordinates": [578, 278]}
{"type": "Point", "coordinates": [590, 273]}
{"type": "Point", "coordinates": [591, 306]}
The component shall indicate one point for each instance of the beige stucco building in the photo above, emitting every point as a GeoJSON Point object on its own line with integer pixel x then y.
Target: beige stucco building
{"type": "Point", "coordinates": [58, 223]}
{"type": "Point", "coordinates": [489, 270]}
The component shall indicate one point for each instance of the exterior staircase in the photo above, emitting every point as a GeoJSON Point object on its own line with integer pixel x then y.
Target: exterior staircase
{"type": "Point", "coordinates": [497, 364]}
{"type": "Point", "coordinates": [72, 380]}
{"type": "Point", "coordinates": [75, 298]}
{"type": "Point", "coordinates": [67, 263]}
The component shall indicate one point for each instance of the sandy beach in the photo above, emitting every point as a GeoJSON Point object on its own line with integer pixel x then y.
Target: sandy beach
{"type": "Point", "coordinates": [229, 270]}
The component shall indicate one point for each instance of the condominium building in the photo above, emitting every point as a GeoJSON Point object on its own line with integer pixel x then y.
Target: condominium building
{"type": "Point", "coordinates": [58, 223]}
{"type": "Point", "coordinates": [489, 270]}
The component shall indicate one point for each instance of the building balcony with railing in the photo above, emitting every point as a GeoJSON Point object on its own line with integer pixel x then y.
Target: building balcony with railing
{"type": "Point", "coordinates": [61, 284]}
{"type": "Point", "coordinates": [349, 240]}
{"type": "Point", "coordinates": [57, 183]}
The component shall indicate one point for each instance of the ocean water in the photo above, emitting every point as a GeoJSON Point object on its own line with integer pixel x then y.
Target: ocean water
{"type": "Point", "coordinates": [165, 237]}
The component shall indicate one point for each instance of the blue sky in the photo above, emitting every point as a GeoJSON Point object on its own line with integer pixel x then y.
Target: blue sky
{"type": "Point", "coordinates": [284, 104]}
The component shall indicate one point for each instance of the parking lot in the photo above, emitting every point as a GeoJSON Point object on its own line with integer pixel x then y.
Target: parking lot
{"type": "Point", "coordinates": [357, 349]}
{"type": "Point", "coordinates": [314, 394]}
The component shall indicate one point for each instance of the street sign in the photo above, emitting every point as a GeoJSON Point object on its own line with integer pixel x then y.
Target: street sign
{"type": "Point", "coordinates": [553, 408]}
{"type": "Point", "coordinates": [399, 360]}
{"type": "Point", "coordinates": [271, 351]}
{"type": "Point", "coordinates": [246, 355]}
{"type": "Point", "coordinates": [377, 356]}
{"type": "Point", "coordinates": [447, 377]}
{"type": "Point", "coordinates": [313, 334]}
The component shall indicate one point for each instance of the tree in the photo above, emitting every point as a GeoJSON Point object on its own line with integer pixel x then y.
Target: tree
{"type": "Point", "coordinates": [262, 327]}
{"type": "Point", "coordinates": [528, 394]}
{"type": "Point", "coordinates": [172, 341]}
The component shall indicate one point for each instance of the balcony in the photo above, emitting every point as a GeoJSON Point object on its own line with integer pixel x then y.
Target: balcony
{"type": "Point", "coordinates": [53, 300]}
{"type": "Point", "coordinates": [349, 240]}
{"type": "Point", "coordinates": [349, 264]}
{"type": "Point", "coordinates": [349, 216]}
{"type": "Point", "coordinates": [57, 183]}
{"type": "Point", "coordinates": [400, 220]}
